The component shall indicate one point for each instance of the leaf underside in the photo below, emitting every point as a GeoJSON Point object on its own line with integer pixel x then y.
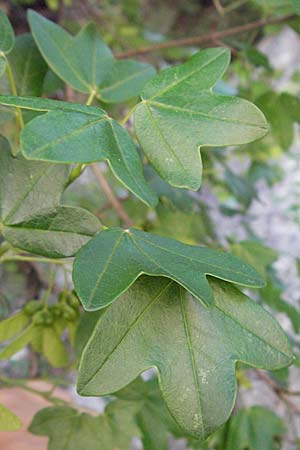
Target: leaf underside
{"type": "Point", "coordinates": [193, 348]}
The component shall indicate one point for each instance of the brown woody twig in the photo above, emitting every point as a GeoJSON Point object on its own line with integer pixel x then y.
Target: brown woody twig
{"type": "Point", "coordinates": [114, 201]}
{"type": "Point", "coordinates": [197, 40]}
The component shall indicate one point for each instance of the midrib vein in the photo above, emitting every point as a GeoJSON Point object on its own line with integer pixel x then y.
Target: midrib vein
{"type": "Point", "coordinates": [243, 327]}
{"type": "Point", "coordinates": [66, 61]}
{"type": "Point", "coordinates": [167, 250]}
{"type": "Point", "coordinates": [130, 328]}
{"type": "Point", "coordinates": [21, 228]}
{"type": "Point", "coordinates": [191, 112]}
{"type": "Point", "coordinates": [61, 139]}
{"type": "Point", "coordinates": [163, 138]}
{"type": "Point", "coordinates": [192, 359]}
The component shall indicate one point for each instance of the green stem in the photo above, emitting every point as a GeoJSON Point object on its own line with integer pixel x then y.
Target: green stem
{"type": "Point", "coordinates": [126, 118]}
{"type": "Point", "coordinates": [47, 395]}
{"type": "Point", "coordinates": [32, 259]}
{"type": "Point", "coordinates": [91, 98]}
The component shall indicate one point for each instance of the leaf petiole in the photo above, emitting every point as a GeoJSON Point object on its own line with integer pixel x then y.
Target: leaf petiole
{"type": "Point", "coordinates": [126, 118]}
{"type": "Point", "coordinates": [21, 258]}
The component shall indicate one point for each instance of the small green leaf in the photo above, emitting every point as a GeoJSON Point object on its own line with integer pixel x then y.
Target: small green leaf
{"type": "Point", "coordinates": [81, 61]}
{"type": "Point", "coordinates": [53, 348]}
{"type": "Point", "coordinates": [74, 133]}
{"type": "Point", "coordinates": [30, 215]}
{"type": "Point", "coordinates": [115, 258]}
{"type": "Point", "coordinates": [17, 344]}
{"type": "Point", "coordinates": [256, 254]}
{"type": "Point", "coordinates": [282, 111]}
{"type": "Point", "coordinates": [57, 232]}
{"type": "Point", "coordinates": [28, 67]}
{"type": "Point", "coordinates": [68, 429]}
{"type": "Point", "coordinates": [271, 295]}
{"type": "Point", "coordinates": [12, 326]}
{"type": "Point", "coordinates": [257, 58]}
{"type": "Point", "coordinates": [255, 428]}
{"type": "Point", "coordinates": [240, 187]}
{"type": "Point", "coordinates": [193, 348]}
{"type": "Point", "coordinates": [7, 36]}
{"type": "Point", "coordinates": [126, 80]}
{"type": "Point", "coordinates": [8, 420]}
{"type": "Point", "coordinates": [26, 186]}
{"type": "Point", "coordinates": [179, 113]}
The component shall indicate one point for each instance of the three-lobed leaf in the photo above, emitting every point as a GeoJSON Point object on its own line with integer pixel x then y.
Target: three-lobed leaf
{"type": "Point", "coordinates": [86, 62]}
{"type": "Point", "coordinates": [68, 429]}
{"type": "Point", "coordinates": [193, 348]}
{"type": "Point", "coordinates": [31, 217]}
{"type": "Point", "coordinates": [115, 258]}
{"type": "Point", "coordinates": [179, 113]}
{"type": "Point", "coordinates": [74, 133]}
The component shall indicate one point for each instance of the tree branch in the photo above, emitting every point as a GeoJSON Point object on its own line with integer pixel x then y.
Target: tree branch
{"type": "Point", "coordinates": [216, 35]}
{"type": "Point", "coordinates": [114, 201]}
{"type": "Point", "coordinates": [274, 385]}
{"type": "Point", "coordinates": [280, 392]}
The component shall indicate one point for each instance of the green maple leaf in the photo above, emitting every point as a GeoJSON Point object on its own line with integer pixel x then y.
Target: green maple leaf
{"type": "Point", "coordinates": [86, 63]}
{"type": "Point", "coordinates": [75, 133]}
{"type": "Point", "coordinates": [194, 348]}
{"type": "Point", "coordinates": [115, 258]}
{"type": "Point", "coordinates": [31, 217]}
{"type": "Point", "coordinates": [68, 429]}
{"type": "Point", "coordinates": [255, 428]}
{"type": "Point", "coordinates": [179, 113]}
